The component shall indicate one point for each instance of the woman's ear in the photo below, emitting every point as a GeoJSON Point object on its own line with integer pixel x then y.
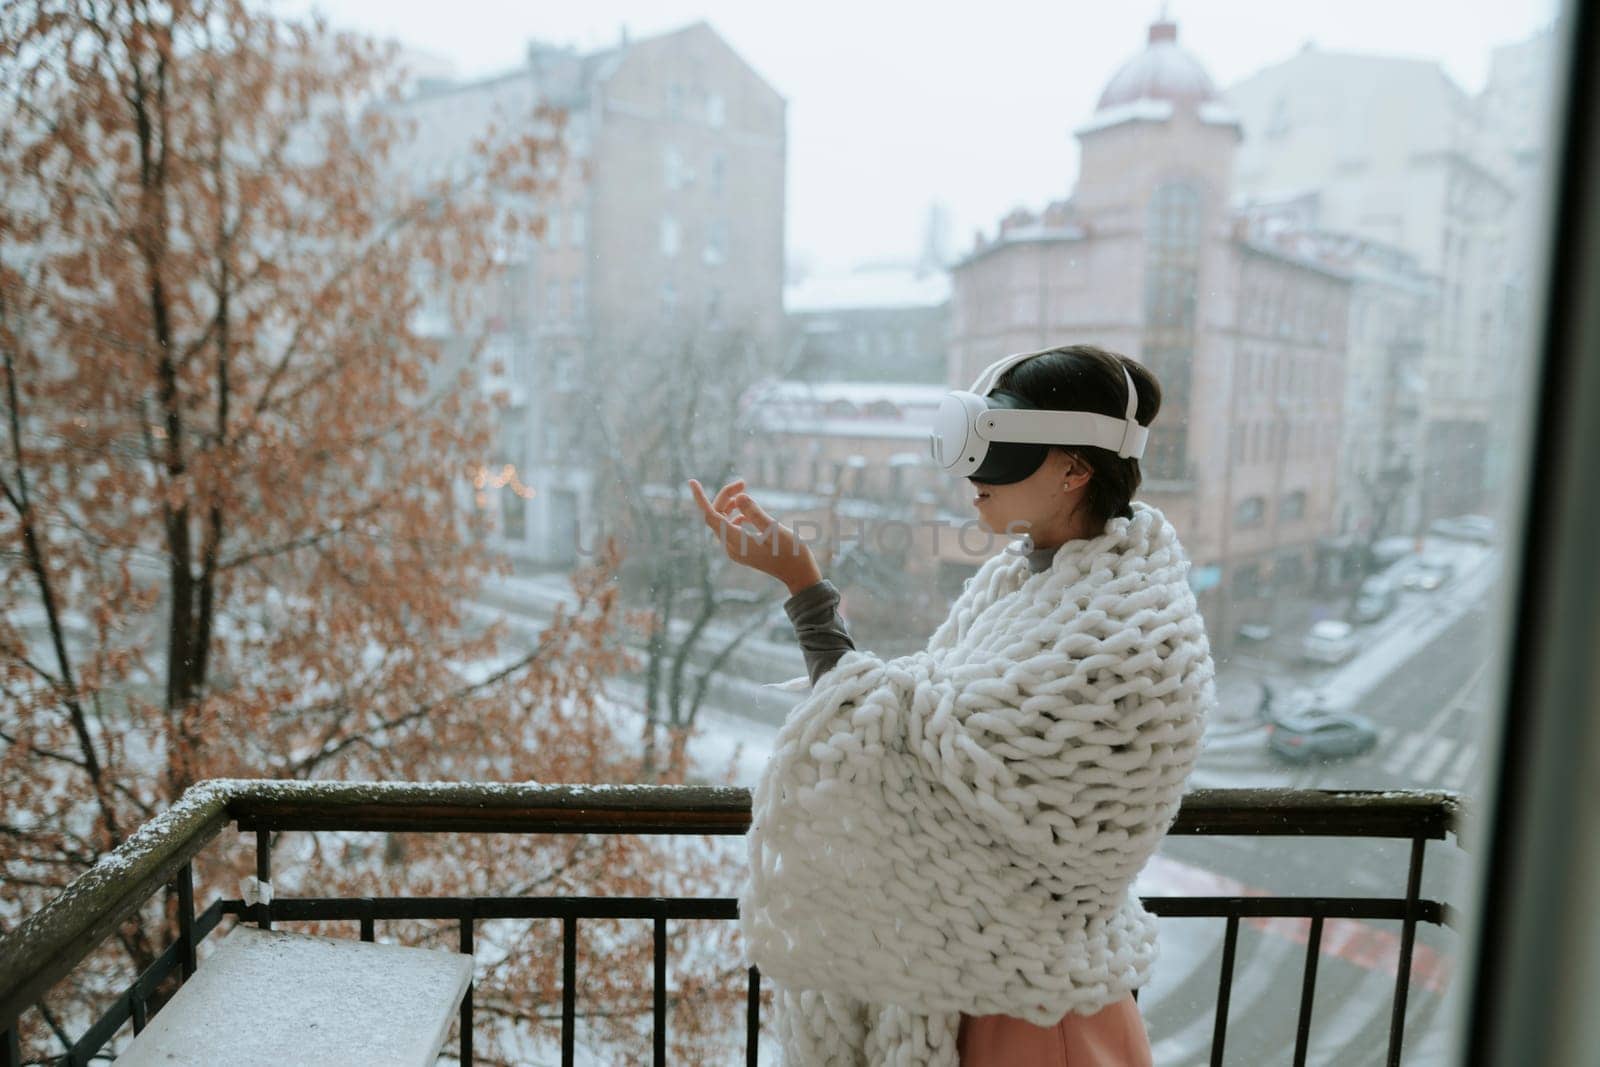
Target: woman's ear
{"type": "Point", "coordinates": [1076, 473]}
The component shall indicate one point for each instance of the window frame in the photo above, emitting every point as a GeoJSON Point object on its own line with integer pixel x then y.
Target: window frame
{"type": "Point", "coordinates": [1532, 967]}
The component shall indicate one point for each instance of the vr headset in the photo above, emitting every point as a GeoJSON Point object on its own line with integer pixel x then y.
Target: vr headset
{"type": "Point", "coordinates": [997, 438]}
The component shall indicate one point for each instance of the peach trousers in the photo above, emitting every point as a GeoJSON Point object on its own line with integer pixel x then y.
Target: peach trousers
{"type": "Point", "coordinates": [1114, 1036]}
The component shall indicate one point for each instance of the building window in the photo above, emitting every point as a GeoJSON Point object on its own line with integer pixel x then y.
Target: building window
{"type": "Point", "coordinates": [513, 515]}
{"type": "Point", "coordinates": [1250, 511]}
{"type": "Point", "coordinates": [858, 475]}
{"type": "Point", "coordinates": [669, 297]}
{"type": "Point", "coordinates": [1288, 569]}
{"type": "Point", "coordinates": [566, 371]}
{"type": "Point", "coordinates": [576, 298]}
{"type": "Point", "coordinates": [669, 236]}
{"type": "Point", "coordinates": [674, 100]}
{"type": "Point", "coordinates": [1247, 581]}
{"type": "Point", "coordinates": [499, 356]}
{"type": "Point", "coordinates": [552, 229]}
{"type": "Point", "coordinates": [552, 301]}
{"type": "Point", "coordinates": [1173, 233]}
{"type": "Point", "coordinates": [577, 135]}
{"type": "Point", "coordinates": [676, 175]}
{"type": "Point", "coordinates": [714, 310]}
{"type": "Point", "coordinates": [1293, 506]}
{"type": "Point", "coordinates": [1278, 124]}
{"type": "Point", "coordinates": [716, 110]}
{"type": "Point", "coordinates": [716, 242]}
{"type": "Point", "coordinates": [719, 173]}
{"type": "Point", "coordinates": [578, 230]}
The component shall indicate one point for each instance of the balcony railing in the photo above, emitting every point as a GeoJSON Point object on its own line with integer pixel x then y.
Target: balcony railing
{"type": "Point", "coordinates": [47, 946]}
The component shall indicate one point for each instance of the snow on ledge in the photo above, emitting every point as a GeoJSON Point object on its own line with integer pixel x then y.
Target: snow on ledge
{"type": "Point", "coordinates": [274, 997]}
{"type": "Point", "coordinates": [1133, 111]}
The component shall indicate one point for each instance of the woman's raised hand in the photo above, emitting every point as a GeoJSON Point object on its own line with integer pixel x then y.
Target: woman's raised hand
{"type": "Point", "coordinates": [755, 539]}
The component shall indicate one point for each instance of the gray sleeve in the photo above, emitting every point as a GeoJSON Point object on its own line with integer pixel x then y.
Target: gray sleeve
{"type": "Point", "coordinates": [822, 633]}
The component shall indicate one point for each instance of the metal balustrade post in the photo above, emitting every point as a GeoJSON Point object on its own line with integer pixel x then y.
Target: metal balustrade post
{"type": "Point", "coordinates": [1219, 1030]}
{"type": "Point", "coordinates": [660, 990]}
{"type": "Point", "coordinates": [569, 984]}
{"type": "Point", "coordinates": [466, 999]}
{"type": "Point", "coordinates": [186, 950]}
{"type": "Point", "coordinates": [1308, 992]}
{"type": "Point", "coordinates": [1408, 937]}
{"type": "Point", "coordinates": [264, 875]}
{"type": "Point", "coordinates": [752, 1023]}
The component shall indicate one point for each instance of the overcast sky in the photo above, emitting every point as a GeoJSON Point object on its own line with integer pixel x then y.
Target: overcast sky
{"type": "Point", "coordinates": [893, 105]}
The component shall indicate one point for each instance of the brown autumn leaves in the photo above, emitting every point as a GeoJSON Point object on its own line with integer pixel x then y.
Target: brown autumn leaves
{"type": "Point", "coordinates": [231, 513]}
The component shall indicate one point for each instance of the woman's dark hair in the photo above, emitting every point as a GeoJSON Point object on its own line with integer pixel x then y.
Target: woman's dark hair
{"type": "Point", "coordinates": [1089, 378]}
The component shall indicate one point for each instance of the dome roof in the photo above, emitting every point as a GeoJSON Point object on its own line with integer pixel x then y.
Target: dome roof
{"type": "Point", "coordinates": [1163, 71]}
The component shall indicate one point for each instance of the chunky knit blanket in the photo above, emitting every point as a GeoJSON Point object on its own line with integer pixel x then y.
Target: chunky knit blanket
{"type": "Point", "coordinates": [959, 829]}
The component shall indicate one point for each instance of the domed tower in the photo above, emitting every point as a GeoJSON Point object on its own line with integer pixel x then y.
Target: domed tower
{"type": "Point", "coordinates": [1155, 180]}
{"type": "Point", "coordinates": [1159, 118]}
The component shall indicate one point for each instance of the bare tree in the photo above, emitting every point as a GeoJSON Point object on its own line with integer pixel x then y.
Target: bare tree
{"type": "Point", "coordinates": [666, 407]}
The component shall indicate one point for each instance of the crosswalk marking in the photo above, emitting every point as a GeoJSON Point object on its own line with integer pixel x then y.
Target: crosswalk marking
{"type": "Point", "coordinates": [1427, 757]}
{"type": "Point", "coordinates": [1401, 757]}
{"type": "Point", "coordinates": [1457, 776]}
{"type": "Point", "coordinates": [1424, 756]}
{"type": "Point", "coordinates": [1440, 749]}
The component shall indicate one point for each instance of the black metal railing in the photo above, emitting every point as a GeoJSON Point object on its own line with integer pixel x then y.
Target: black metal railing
{"type": "Point", "coordinates": [48, 945]}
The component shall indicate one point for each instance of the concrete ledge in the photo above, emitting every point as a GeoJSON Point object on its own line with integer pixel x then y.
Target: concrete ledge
{"type": "Point", "coordinates": [269, 998]}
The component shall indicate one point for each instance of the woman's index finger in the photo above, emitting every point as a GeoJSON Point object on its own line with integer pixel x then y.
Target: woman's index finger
{"type": "Point", "coordinates": [707, 512]}
{"type": "Point", "coordinates": [726, 493]}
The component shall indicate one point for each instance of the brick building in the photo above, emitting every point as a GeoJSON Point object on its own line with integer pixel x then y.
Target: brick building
{"type": "Point", "coordinates": [1390, 149]}
{"type": "Point", "coordinates": [887, 323]}
{"type": "Point", "coordinates": [668, 223]}
{"type": "Point", "coordinates": [1248, 338]}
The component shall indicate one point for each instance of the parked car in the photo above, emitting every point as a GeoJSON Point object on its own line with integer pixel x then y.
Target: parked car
{"type": "Point", "coordinates": [1329, 641]}
{"type": "Point", "coordinates": [1377, 597]}
{"type": "Point", "coordinates": [1391, 550]}
{"type": "Point", "coordinates": [1319, 735]}
{"type": "Point", "coordinates": [1429, 574]}
{"type": "Point", "coordinates": [1287, 702]}
{"type": "Point", "coordinates": [1255, 631]}
{"type": "Point", "coordinates": [1478, 528]}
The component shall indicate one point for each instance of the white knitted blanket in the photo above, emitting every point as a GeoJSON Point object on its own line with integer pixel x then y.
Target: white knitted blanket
{"type": "Point", "coordinates": [959, 829]}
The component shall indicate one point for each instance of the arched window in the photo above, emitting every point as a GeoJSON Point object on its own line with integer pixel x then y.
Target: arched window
{"type": "Point", "coordinates": [1174, 229]}
{"type": "Point", "coordinates": [1249, 511]}
{"type": "Point", "coordinates": [1175, 221]}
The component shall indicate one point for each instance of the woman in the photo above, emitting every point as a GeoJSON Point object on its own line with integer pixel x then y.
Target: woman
{"type": "Point", "coordinates": [943, 845]}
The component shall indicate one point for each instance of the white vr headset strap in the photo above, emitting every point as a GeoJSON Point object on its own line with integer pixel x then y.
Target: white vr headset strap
{"type": "Point", "coordinates": [1130, 440]}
